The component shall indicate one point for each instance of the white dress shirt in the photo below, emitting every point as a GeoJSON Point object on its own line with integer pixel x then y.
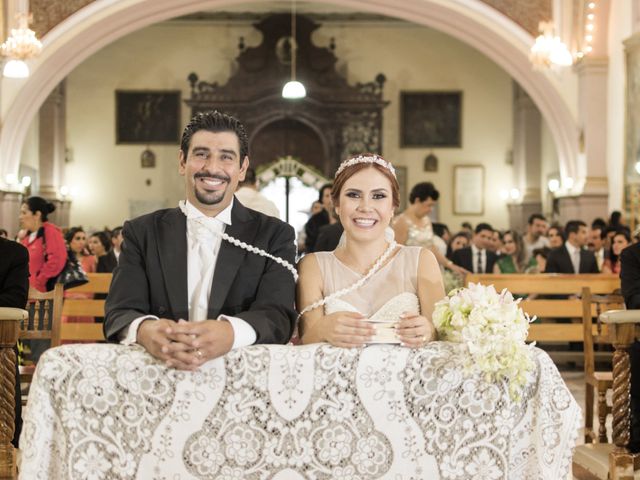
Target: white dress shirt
{"type": "Point", "coordinates": [574, 254]}
{"type": "Point", "coordinates": [203, 246]}
{"type": "Point", "coordinates": [475, 251]}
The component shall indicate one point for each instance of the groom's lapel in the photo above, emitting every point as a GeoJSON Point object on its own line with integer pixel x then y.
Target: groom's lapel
{"type": "Point", "coordinates": [171, 230]}
{"type": "Point", "coordinates": [230, 257]}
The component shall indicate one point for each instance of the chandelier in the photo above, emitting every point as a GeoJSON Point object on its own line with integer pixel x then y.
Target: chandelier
{"type": "Point", "coordinates": [548, 50]}
{"type": "Point", "coordinates": [21, 45]}
{"type": "Point", "coordinates": [293, 89]}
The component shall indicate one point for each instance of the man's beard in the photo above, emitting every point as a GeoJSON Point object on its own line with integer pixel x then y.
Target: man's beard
{"type": "Point", "coordinates": [210, 198]}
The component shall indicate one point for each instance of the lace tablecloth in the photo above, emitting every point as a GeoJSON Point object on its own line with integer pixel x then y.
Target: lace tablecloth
{"type": "Point", "coordinates": [283, 412]}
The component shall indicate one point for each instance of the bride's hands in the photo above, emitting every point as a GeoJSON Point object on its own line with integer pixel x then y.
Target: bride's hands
{"type": "Point", "coordinates": [415, 330]}
{"type": "Point", "coordinates": [347, 329]}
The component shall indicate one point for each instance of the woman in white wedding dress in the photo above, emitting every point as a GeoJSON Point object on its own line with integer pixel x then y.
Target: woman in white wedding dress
{"type": "Point", "coordinates": [369, 289]}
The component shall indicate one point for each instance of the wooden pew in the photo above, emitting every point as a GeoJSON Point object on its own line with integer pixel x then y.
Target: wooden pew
{"type": "Point", "coordinates": [551, 284]}
{"type": "Point", "coordinates": [98, 283]}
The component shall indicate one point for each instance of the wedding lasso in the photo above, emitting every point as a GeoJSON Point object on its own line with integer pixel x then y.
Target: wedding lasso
{"type": "Point", "coordinates": [244, 245]}
{"type": "Point", "coordinates": [376, 266]}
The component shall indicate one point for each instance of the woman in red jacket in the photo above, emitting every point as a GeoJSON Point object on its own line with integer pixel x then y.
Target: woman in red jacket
{"type": "Point", "coordinates": [44, 240]}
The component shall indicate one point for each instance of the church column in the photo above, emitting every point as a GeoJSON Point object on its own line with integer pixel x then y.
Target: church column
{"type": "Point", "coordinates": [591, 179]}
{"type": "Point", "coordinates": [52, 144]}
{"type": "Point", "coordinates": [527, 124]}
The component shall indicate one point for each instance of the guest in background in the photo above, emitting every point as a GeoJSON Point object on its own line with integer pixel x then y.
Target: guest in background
{"type": "Point", "coordinates": [250, 196]}
{"type": "Point", "coordinates": [599, 223]}
{"type": "Point", "coordinates": [539, 265]}
{"type": "Point", "coordinates": [43, 239]}
{"type": "Point", "coordinates": [14, 292]}
{"type": "Point", "coordinates": [413, 227]}
{"type": "Point", "coordinates": [514, 258]}
{"type": "Point", "coordinates": [572, 257]}
{"type": "Point", "coordinates": [108, 262]}
{"type": "Point", "coordinates": [595, 243]}
{"type": "Point", "coordinates": [616, 220]}
{"type": "Point", "coordinates": [77, 240]}
{"type": "Point", "coordinates": [555, 234]}
{"type": "Point", "coordinates": [535, 237]}
{"type": "Point", "coordinates": [497, 244]}
{"type": "Point", "coordinates": [620, 241]}
{"type": "Point", "coordinates": [329, 237]}
{"type": "Point", "coordinates": [477, 258]}
{"type": "Point", "coordinates": [316, 207]}
{"type": "Point", "coordinates": [99, 244]}
{"type": "Point", "coordinates": [467, 228]}
{"type": "Point", "coordinates": [324, 217]}
{"type": "Point", "coordinates": [458, 241]}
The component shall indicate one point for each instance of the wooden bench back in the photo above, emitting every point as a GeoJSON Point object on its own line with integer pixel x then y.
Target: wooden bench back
{"type": "Point", "coordinates": [86, 307]}
{"type": "Point", "coordinates": [552, 284]}
{"type": "Point", "coordinates": [44, 316]}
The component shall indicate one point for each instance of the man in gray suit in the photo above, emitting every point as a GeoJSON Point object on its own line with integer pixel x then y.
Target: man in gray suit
{"type": "Point", "coordinates": [182, 291]}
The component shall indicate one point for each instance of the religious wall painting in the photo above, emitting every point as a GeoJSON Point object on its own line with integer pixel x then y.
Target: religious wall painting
{"type": "Point", "coordinates": [431, 119]}
{"type": "Point", "coordinates": [147, 117]}
{"type": "Point", "coordinates": [468, 190]}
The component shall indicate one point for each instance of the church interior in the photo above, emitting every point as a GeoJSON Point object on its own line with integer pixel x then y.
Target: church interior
{"type": "Point", "coordinates": [510, 108]}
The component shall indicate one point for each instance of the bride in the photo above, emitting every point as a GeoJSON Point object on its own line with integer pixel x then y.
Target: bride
{"type": "Point", "coordinates": [372, 290]}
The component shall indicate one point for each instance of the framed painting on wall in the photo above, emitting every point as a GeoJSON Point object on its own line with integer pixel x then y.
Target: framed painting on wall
{"type": "Point", "coordinates": [145, 117]}
{"type": "Point", "coordinates": [468, 190]}
{"type": "Point", "coordinates": [431, 119]}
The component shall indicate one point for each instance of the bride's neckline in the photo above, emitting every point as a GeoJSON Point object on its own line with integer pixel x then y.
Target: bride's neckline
{"type": "Point", "coordinates": [389, 260]}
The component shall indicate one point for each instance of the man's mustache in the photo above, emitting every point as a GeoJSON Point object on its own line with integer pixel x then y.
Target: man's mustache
{"type": "Point", "coordinates": [218, 176]}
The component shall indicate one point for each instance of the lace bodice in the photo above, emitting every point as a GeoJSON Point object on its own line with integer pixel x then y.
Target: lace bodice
{"type": "Point", "coordinates": [389, 293]}
{"type": "Point", "coordinates": [420, 236]}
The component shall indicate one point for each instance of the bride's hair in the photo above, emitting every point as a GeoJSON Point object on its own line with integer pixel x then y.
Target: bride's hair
{"type": "Point", "coordinates": [346, 172]}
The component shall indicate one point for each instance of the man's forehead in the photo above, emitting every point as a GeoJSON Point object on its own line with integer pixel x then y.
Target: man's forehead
{"type": "Point", "coordinates": [218, 140]}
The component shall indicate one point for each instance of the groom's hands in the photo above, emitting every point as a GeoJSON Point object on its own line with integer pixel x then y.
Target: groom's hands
{"type": "Point", "coordinates": [185, 345]}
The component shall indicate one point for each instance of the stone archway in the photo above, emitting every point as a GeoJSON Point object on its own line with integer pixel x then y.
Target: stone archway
{"type": "Point", "coordinates": [101, 23]}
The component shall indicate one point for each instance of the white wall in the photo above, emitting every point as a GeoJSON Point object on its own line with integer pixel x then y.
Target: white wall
{"type": "Point", "coordinates": [161, 56]}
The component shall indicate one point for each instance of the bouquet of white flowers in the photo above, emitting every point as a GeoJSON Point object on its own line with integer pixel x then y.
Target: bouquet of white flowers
{"type": "Point", "coordinates": [491, 329]}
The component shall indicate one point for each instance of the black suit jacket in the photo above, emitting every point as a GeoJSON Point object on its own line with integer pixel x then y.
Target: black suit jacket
{"type": "Point", "coordinates": [107, 263]}
{"type": "Point", "coordinates": [464, 258]}
{"type": "Point", "coordinates": [14, 274]}
{"type": "Point", "coordinates": [630, 275]}
{"type": "Point", "coordinates": [559, 261]}
{"type": "Point", "coordinates": [151, 276]}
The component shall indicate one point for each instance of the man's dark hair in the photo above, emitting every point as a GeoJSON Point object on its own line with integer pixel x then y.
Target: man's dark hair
{"type": "Point", "coordinates": [536, 216]}
{"type": "Point", "coordinates": [615, 220]}
{"type": "Point", "coordinates": [249, 177]}
{"type": "Point", "coordinates": [215, 122]}
{"type": "Point", "coordinates": [466, 225]}
{"type": "Point", "coordinates": [573, 226]}
{"type": "Point", "coordinates": [422, 191]}
{"type": "Point", "coordinates": [116, 231]}
{"type": "Point", "coordinates": [440, 229]}
{"type": "Point", "coordinates": [483, 226]}
{"type": "Point", "coordinates": [599, 223]}
{"type": "Point", "coordinates": [322, 189]}
{"type": "Point", "coordinates": [543, 252]}
{"type": "Point", "coordinates": [601, 229]}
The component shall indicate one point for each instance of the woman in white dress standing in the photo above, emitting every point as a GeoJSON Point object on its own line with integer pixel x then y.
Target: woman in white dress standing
{"type": "Point", "coordinates": [369, 288]}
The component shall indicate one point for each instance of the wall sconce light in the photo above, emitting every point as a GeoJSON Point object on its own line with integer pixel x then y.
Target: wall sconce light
{"type": "Point", "coordinates": [21, 45]}
{"type": "Point", "coordinates": [514, 193]}
{"type": "Point", "coordinates": [553, 185]}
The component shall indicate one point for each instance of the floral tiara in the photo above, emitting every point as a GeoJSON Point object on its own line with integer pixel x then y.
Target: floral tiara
{"type": "Point", "coordinates": [366, 159]}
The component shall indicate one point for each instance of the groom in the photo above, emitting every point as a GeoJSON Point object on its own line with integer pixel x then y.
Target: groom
{"type": "Point", "coordinates": [180, 290]}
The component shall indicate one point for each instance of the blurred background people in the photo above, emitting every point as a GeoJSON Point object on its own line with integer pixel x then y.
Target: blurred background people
{"type": "Point", "coordinates": [323, 217]}
{"type": "Point", "coordinates": [43, 239]}
{"type": "Point", "coordinates": [108, 262]}
{"type": "Point", "coordinates": [77, 241]}
{"type": "Point", "coordinates": [535, 237]}
{"type": "Point", "coordinates": [596, 242]}
{"type": "Point", "coordinates": [250, 196]}
{"type": "Point", "coordinates": [555, 234]}
{"type": "Point", "coordinates": [514, 258]}
{"type": "Point", "coordinates": [572, 257]}
{"type": "Point", "coordinates": [619, 242]}
{"type": "Point", "coordinates": [477, 257]}
{"type": "Point", "coordinates": [458, 241]}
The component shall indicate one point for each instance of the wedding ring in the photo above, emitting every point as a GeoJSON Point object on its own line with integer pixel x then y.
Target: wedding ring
{"type": "Point", "coordinates": [199, 354]}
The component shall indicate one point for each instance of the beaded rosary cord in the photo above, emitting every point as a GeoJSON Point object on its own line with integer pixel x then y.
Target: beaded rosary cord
{"type": "Point", "coordinates": [376, 266]}
{"type": "Point", "coordinates": [244, 245]}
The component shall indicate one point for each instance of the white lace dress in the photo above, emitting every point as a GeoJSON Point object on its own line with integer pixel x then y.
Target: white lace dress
{"type": "Point", "coordinates": [389, 293]}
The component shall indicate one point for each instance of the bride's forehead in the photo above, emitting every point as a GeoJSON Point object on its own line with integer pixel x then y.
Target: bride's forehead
{"type": "Point", "coordinates": [368, 178]}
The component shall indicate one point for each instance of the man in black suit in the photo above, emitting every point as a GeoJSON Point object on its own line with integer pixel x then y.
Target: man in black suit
{"type": "Point", "coordinates": [477, 257]}
{"type": "Point", "coordinates": [175, 266]}
{"type": "Point", "coordinates": [107, 263]}
{"type": "Point", "coordinates": [572, 257]}
{"type": "Point", "coordinates": [14, 291]}
{"type": "Point", "coordinates": [630, 283]}
{"type": "Point", "coordinates": [329, 237]}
